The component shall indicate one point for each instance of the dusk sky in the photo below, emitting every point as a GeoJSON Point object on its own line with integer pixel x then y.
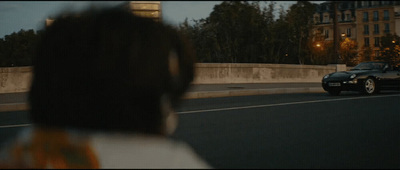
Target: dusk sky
{"type": "Point", "coordinates": [17, 15]}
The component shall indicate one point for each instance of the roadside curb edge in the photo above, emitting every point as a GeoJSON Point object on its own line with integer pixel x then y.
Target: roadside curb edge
{"type": "Point", "coordinates": [231, 93]}
{"type": "Point", "coordinates": [198, 95]}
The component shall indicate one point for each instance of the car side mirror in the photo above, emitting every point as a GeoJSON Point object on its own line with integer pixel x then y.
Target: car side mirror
{"type": "Point", "coordinates": [385, 68]}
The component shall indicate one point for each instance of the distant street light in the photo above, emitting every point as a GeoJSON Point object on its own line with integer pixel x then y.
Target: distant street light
{"type": "Point", "coordinates": [318, 45]}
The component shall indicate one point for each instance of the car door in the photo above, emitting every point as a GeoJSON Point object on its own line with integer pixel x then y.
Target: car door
{"type": "Point", "coordinates": [390, 79]}
{"type": "Point", "coordinates": [396, 80]}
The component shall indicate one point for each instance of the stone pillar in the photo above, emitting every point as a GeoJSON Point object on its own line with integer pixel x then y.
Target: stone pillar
{"type": "Point", "coordinates": [339, 67]}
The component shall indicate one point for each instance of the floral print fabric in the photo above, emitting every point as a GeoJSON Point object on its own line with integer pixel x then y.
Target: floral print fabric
{"type": "Point", "coordinates": [49, 148]}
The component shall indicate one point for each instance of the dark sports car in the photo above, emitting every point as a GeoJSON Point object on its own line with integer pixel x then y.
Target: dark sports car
{"type": "Point", "coordinates": [367, 78]}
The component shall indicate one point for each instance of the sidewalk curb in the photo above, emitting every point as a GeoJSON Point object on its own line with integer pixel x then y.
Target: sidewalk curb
{"type": "Point", "coordinates": [14, 107]}
{"type": "Point", "coordinates": [231, 93]}
{"type": "Point", "coordinates": [198, 95]}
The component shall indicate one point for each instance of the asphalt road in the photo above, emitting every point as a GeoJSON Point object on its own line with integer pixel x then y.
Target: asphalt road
{"type": "Point", "coordinates": [295, 131]}
{"type": "Point", "coordinates": [284, 131]}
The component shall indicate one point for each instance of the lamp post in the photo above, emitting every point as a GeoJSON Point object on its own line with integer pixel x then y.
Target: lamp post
{"type": "Point", "coordinates": [342, 38]}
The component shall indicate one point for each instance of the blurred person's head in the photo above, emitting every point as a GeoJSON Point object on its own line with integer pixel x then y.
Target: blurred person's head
{"type": "Point", "coordinates": [109, 70]}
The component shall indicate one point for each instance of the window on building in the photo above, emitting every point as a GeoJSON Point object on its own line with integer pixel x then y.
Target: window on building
{"type": "Point", "coordinates": [385, 2]}
{"type": "Point", "coordinates": [387, 28]}
{"type": "Point", "coordinates": [375, 3]}
{"type": "Point", "coordinates": [366, 42]}
{"type": "Point", "coordinates": [365, 17]}
{"type": "Point", "coordinates": [326, 34]}
{"type": "Point", "coordinates": [316, 19]}
{"type": "Point", "coordinates": [326, 19]}
{"type": "Point", "coordinates": [348, 32]}
{"type": "Point", "coordinates": [348, 17]}
{"type": "Point", "coordinates": [376, 16]}
{"type": "Point", "coordinates": [376, 44]}
{"type": "Point", "coordinates": [345, 6]}
{"type": "Point", "coordinates": [376, 28]}
{"type": "Point", "coordinates": [385, 15]}
{"type": "Point", "coordinates": [364, 3]}
{"type": "Point", "coordinates": [366, 29]}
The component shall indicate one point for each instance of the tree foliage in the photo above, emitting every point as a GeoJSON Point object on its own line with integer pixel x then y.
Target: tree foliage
{"type": "Point", "coordinates": [390, 49]}
{"type": "Point", "coordinates": [300, 23]}
{"type": "Point", "coordinates": [17, 49]}
{"type": "Point", "coordinates": [365, 54]}
{"type": "Point", "coordinates": [232, 33]}
{"type": "Point", "coordinates": [320, 52]}
{"type": "Point", "coordinates": [348, 52]}
{"type": "Point", "coordinates": [244, 32]}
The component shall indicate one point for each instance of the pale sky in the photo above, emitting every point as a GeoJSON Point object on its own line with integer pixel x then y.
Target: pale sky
{"type": "Point", "coordinates": [17, 15]}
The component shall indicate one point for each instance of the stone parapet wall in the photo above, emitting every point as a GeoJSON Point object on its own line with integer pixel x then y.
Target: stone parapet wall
{"type": "Point", "coordinates": [18, 79]}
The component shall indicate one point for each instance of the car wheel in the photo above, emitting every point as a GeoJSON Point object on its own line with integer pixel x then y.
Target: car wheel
{"type": "Point", "coordinates": [334, 92]}
{"type": "Point", "coordinates": [369, 86]}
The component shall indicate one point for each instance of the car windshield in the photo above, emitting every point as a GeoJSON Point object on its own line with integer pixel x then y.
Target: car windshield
{"type": "Point", "coordinates": [369, 66]}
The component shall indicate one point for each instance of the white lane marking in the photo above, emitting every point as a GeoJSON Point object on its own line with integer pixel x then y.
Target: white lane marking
{"type": "Point", "coordinates": [11, 126]}
{"type": "Point", "coordinates": [249, 107]}
{"type": "Point", "coordinates": [282, 104]}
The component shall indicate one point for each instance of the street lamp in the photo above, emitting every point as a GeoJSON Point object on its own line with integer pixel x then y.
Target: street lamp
{"type": "Point", "coordinates": [343, 38]}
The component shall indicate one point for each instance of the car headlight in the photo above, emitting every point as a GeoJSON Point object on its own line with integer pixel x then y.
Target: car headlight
{"type": "Point", "coordinates": [326, 76]}
{"type": "Point", "coordinates": [353, 76]}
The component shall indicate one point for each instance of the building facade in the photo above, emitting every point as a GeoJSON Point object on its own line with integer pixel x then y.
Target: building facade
{"type": "Point", "coordinates": [375, 19]}
{"type": "Point", "coordinates": [362, 21]}
{"type": "Point", "coordinates": [147, 9]}
{"type": "Point", "coordinates": [397, 19]}
{"type": "Point", "coordinates": [323, 20]}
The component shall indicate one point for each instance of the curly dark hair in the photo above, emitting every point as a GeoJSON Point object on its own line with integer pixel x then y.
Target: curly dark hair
{"type": "Point", "coordinates": [107, 70]}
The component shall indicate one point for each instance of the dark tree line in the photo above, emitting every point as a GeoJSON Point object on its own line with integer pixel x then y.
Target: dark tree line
{"type": "Point", "coordinates": [242, 32]}
{"type": "Point", "coordinates": [390, 49]}
{"type": "Point", "coordinates": [245, 32]}
{"type": "Point", "coordinates": [17, 49]}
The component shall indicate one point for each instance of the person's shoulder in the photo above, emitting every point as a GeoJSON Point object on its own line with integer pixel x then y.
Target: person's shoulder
{"type": "Point", "coordinates": [13, 148]}
{"type": "Point", "coordinates": [144, 151]}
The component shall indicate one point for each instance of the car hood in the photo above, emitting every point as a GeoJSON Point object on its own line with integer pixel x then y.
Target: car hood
{"type": "Point", "coordinates": [348, 73]}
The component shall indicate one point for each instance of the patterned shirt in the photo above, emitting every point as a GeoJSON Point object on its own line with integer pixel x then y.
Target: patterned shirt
{"type": "Point", "coordinates": [43, 148]}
